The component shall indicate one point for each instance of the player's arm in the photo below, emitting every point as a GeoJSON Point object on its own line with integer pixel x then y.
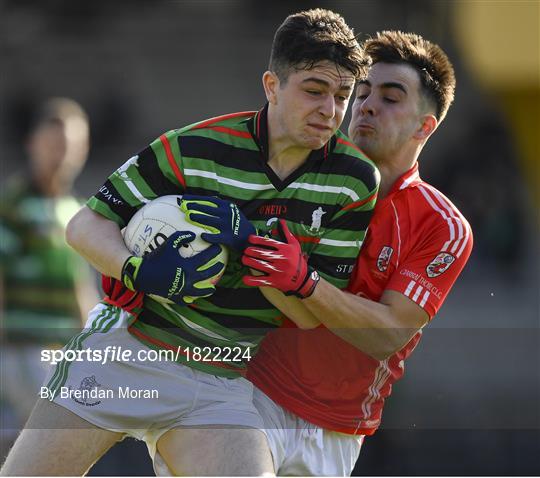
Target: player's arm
{"type": "Point", "coordinates": [413, 294]}
{"type": "Point", "coordinates": [291, 307]}
{"type": "Point", "coordinates": [377, 328]}
{"type": "Point", "coordinates": [94, 231]}
{"type": "Point", "coordinates": [98, 240]}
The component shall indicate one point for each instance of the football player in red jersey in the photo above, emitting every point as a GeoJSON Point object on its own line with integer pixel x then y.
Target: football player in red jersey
{"type": "Point", "coordinates": [324, 388]}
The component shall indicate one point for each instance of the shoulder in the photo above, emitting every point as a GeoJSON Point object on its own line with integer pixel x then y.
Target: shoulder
{"type": "Point", "coordinates": [230, 129]}
{"type": "Point", "coordinates": [225, 123]}
{"type": "Point", "coordinates": [431, 213]}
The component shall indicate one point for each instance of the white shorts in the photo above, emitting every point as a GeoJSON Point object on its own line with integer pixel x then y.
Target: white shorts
{"type": "Point", "coordinates": [141, 398]}
{"type": "Point", "coordinates": [300, 448]}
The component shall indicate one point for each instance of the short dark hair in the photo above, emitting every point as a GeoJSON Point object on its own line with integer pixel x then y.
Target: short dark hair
{"type": "Point", "coordinates": [56, 111]}
{"type": "Point", "coordinates": [308, 37]}
{"type": "Point", "coordinates": [428, 59]}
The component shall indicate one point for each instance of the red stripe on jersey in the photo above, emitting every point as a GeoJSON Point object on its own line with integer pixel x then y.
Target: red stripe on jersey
{"type": "Point", "coordinates": [314, 240]}
{"type": "Point", "coordinates": [348, 143]}
{"type": "Point", "coordinates": [356, 204]}
{"type": "Point", "coordinates": [176, 170]}
{"type": "Point", "coordinates": [259, 124]}
{"type": "Point", "coordinates": [165, 345]}
{"type": "Point", "coordinates": [232, 132]}
{"type": "Point", "coordinates": [216, 119]}
{"type": "Point", "coordinates": [325, 151]}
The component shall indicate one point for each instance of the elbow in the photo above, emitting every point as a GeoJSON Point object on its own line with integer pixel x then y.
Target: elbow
{"type": "Point", "coordinates": [381, 355]}
{"type": "Point", "coordinates": [383, 348]}
{"type": "Point", "coordinates": [387, 347]}
{"type": "Point", "coordinates": [73, 231]}
{"type": "Point", "coordinates": [70, 233]}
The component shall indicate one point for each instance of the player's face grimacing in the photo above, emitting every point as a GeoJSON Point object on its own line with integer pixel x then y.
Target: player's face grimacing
{"type": "Point", "coordinates": [387, 111]}
{"type": "Point", "coordinates": [311, 104]}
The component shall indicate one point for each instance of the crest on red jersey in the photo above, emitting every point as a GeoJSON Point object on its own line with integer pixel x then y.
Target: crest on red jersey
{"type": "Point", "coordinates": [440, 264]}
{"type": "Point", "coordinates": [384, 258]}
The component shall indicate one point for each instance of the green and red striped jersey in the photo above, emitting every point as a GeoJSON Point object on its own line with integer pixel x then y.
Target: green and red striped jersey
{"type": "Point", "coordinates": [41, 273]}
{"type": "Point", "coordinates": [327, 203]}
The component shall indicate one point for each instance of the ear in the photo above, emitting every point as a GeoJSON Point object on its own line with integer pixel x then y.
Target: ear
{"type": "Point", "coordinates": [271, 85]}
{"type": "Point", "coordinates": [428, 124]}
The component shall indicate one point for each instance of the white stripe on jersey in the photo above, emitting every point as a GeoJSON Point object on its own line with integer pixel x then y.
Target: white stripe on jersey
{"type": "Point", "coordinates": [136, 192]}
{"type": "Point", "coordinates": [418, 290]}
{"type": "Point", "coordinates": [445, 204]}
{"type": "Point", "coordinates": [424, 299]}
{"type": "Point", "coordinates": [382, 373]}
{"type": "Point", "coordinates": [264, 187]}
{"type": "Point", "coordinates": [409, 288]}
{"type": "Point", "coordinates": [203, 330]}
{"type": "Point", "coordinates": [453, 218]}
{"type": "Point", "coordinates": [335, 242]}
{"type": "Point", "coordinates": [326, 189]}
{"type": "Point", "coordinates": [442, 213]}
{"type": "Point", "coordinates": [122, 174]}
{"type": "Point", "coordinates": [410, 179]}
{"type": "Point", "coordinates": [398, 233]}
{"type": "Point", "coordinates": [417, 293]}
{"type": "Point", "coordinates": [230, 182]}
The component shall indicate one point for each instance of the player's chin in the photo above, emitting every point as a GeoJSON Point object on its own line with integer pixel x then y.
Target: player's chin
{"type": "Point", "coordinates": [364, 142]}
{"type": "Point", "coordinates": [316, 142]}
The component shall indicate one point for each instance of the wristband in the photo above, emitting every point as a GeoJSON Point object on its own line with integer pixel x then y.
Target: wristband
{"type": "Point", "coordinates": [308, 286]}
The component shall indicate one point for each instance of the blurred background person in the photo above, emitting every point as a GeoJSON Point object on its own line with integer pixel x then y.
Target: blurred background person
{"type": "Point", "coordinates": [45, 287]}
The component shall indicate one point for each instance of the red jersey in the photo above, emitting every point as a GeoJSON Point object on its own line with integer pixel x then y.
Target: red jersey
{"type": "Point", "coordinates": [417, 244]}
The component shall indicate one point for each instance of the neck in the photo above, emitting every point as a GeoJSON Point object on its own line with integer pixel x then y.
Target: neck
{"type": "Point", "coordinates": [283, 155]}
{"type": "Point", "coordinates": [392, 170]}
{"type": "Point", "coordinates": [283, 160]}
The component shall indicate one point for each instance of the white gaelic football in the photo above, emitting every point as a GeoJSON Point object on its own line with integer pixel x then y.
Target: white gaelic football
{"type": "Point", "coordinates": [155, 222]}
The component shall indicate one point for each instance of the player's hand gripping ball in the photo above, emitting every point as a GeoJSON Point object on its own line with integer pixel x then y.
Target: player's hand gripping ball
{"type": "Point", "coordinates": [170, 259]}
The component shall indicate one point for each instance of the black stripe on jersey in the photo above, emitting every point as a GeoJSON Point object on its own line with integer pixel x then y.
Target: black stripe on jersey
{"type": "Point", "coordinates": [299, 211]}
{"type": "Point", "coordinates": [239, 298]}
{"type": "Point", "coordinates": [338, 267]}
{"type": "Point", "coordinates": [220, 153]}
{"type": "Point", "coordinates": [108, 194]}
{"type": "Point", "coordinates": [202, 191]}
{"type": "Point", "coordinates": [149, 170]}
{"type": "Point", "coordinates": [350, 166]}
{"type": "Point", "coordinates": [241, 324]}
{"type": "Point", "coordinates": [151, 318]}
{"type": "Point", "coordinates": [354, 220]}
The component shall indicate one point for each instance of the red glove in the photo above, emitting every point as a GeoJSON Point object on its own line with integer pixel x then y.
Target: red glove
{"type": "Point", "coordinates": [283, 264]}
{"type": "Point", "coordinates": [119, 295]}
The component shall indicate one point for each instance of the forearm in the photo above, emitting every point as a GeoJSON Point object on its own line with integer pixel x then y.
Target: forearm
{"type": "Point", "coordinates": [375, 328]}
{"type": "Point", "coordinates": [87, 297]}
{"type": "Point", "coordinates": [99, 241]}
{"type": "Point", "coordinates": [291, 307]}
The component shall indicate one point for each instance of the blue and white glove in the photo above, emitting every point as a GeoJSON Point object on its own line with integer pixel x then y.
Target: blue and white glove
{"type": "Point", "coordinates": [166, 273]}
{"type": "Point", "coordinates": [228, 225]}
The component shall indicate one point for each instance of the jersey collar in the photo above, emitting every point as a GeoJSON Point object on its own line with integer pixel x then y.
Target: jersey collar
{"type": "Point", "coordinates": [410, 178]}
